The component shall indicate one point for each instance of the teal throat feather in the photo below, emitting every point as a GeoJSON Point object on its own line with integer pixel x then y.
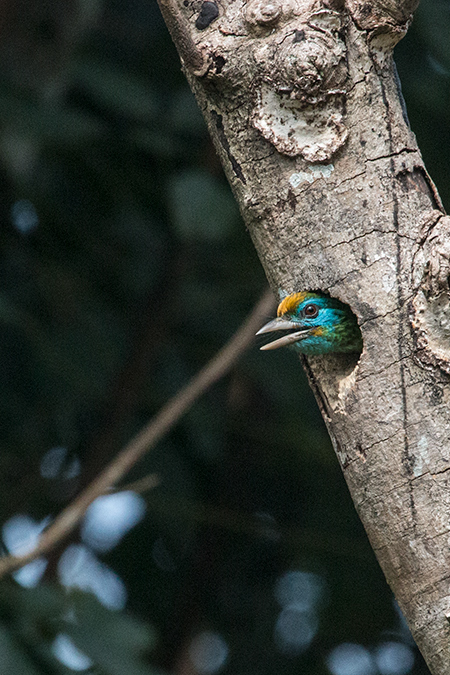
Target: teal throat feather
{"type": "Point", "coordinates": [314, 324]}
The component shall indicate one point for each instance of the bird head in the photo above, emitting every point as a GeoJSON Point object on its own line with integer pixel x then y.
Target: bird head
{"type": "Point", "coordinates": [314, 324]}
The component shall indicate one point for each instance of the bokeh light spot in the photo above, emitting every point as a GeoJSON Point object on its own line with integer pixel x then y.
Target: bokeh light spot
{"type": "Point", "coordinates": [30, 575]}
{"type": "Point", "coordinates": [300, 589]}
{"type": "Point", "coordinates": [64, 649]}
{"type": "Point", "coordinates": [351, 659]}
{"type": "Point", "coordinates": [394, 658]}
{"type": "Point", "coordinates": [78, 567]}
{"type": "Point", "coordinates": [24, 216]}
{"type": "Point", "coordinates": [21, 533]}
{"type": "Point", "coordinates": [208, 652]}
{"type": "Point", "coordinates": [54, 465]}
{"type": "Point", "coordinates": [110, 517]}
{"type": "Point", "coordinates": [294, 630]}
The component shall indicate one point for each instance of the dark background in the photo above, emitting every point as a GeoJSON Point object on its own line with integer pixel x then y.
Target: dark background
{"type": "Point", "coordinates": [124, 267]}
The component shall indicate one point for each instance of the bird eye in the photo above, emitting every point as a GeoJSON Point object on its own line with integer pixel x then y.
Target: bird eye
{"type": "Point", "coordinates": [311, 311]}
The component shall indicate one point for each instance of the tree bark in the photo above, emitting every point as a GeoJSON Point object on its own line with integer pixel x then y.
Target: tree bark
{"type": "Point", "coordinates": [301, 99]}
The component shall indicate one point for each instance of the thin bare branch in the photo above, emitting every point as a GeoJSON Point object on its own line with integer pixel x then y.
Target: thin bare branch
{"type": "Point", "coordinates": [147, 438]}
{"type": "Point", "coordinates": [142, 485]}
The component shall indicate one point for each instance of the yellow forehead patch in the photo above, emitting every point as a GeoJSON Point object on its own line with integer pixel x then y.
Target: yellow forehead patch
{"type": "Point", "coordinates": [290, 303]}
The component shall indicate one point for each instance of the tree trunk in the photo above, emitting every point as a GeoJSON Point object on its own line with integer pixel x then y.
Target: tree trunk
{"type": "Point", "coordinates": [301, 99]}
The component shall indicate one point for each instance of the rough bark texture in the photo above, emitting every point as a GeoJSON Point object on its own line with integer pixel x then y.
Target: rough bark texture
{"type": "Point", "coordinates": [302, 102]}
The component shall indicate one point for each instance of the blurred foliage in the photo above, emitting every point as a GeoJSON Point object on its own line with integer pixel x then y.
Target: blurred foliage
{"type": "Point", "coordinates": [124, 268]}
{"type": "Point", "coordinates": [46, 617]}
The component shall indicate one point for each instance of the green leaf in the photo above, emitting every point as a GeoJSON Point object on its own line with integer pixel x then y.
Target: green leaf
{"type": "Point", "coordinates": [114, 641]}
{"type": "Point", "coordinates": [13, 659]}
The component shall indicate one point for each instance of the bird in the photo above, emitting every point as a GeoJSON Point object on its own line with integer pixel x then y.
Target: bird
{"type": "Point", "coordinates": [315, 324]}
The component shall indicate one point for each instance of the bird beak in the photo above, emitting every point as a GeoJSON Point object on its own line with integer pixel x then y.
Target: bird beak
{"type": "Point", "coordinates": [282, 324]}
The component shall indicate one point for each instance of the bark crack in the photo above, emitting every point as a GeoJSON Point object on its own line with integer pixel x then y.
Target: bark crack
{"type": "Point", "coordinates": [357, 270]}
{"type": "Point", "coordinates": [391, 155]}
{"type": "Point", "coordinates": [350, 178]}
{"type": "Point", "coordinates": [366, 234]}
{"type": "Point", "coordinates": [432, 474]}
{"type": "Point", "coordinates": [382, 370]}
{"type": "Point", "coordinates": [407, 459]}
{"type": "Point", "coordinates": [391, 311]}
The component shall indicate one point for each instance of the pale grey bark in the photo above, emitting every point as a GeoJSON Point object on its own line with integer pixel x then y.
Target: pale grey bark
{"type": "Point", "coordinates": [302, 103]}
